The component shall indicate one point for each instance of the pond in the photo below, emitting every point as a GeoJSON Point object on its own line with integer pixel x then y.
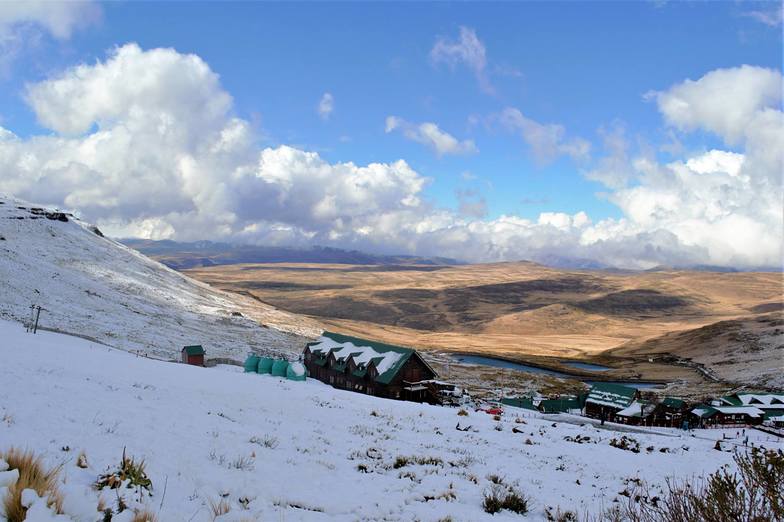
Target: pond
{"type": "Point", "coordinates": [501, 363]}
{"type": "Point", "coordinates": [586, 366]}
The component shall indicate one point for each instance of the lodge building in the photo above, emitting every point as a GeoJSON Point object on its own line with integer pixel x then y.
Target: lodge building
{"type": "Point", "coordinates": [370, 367]}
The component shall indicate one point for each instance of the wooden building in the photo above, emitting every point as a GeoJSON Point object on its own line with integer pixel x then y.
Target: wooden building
{"type": "Point", "coordinates": [720, 416]}
{"type": "Point", "coordinates": [193, 355]}
{"type": "Point", "coordinates": [638, 413]}
{"type": "Point", "coordinates": [605, 400]}
{"type": "Point", "coordinates": [671, 412]}
{"type": "Point", "coordinates": [369, 367]}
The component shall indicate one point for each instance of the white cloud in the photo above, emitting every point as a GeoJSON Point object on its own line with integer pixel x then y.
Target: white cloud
{"type": "Point", "coordinates": [431, 135]}
{"type": "Point", "coordinates": [772, 17]}
{"type": "Point", "coordinates": [135, 157]}
{"type": "Point", "coordinates": [58, 18]}
{"type": "Point", "coordinates": [724, 101]}
{"type": "Point", "coordinates": [326, 106]}
{"type": "Point", "coordinates": [546, 140]}
{"type": "Point", "coordinates": [614, 170]}
{"type": "Point", "coordinates": [468, 51]}
{"type": "Point", "coordinates": [23, 22]}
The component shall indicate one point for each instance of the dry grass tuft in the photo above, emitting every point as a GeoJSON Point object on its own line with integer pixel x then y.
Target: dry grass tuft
{"type": "Point", "coordinates": [144, 516]}
{"type": "Point", "coordinates": [219, 508]}
{"type": "Point", "coordinates": [32, 475]}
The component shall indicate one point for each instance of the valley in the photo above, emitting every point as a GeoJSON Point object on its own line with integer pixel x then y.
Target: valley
{"type": "Point", "coordinates": [529, 313]}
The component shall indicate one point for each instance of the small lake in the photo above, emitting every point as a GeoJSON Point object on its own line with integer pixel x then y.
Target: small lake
{"type": "Point", "coordinates": [586, 366]}
{"type": "Point", "coordinates": [500, 363]}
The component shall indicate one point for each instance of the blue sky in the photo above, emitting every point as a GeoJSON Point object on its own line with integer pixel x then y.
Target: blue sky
{"type": "Point", "coordinates": [583, 66]}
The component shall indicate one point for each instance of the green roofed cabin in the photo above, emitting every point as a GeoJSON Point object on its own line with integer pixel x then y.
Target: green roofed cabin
{"type": "Point", "coordinates": [605, 400]}
{"type": "Point", "coordinates": [193, 355]}
{"type": "Point", "coordinates": [370, 367]}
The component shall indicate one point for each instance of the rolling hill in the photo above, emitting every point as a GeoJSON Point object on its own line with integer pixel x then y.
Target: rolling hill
{"type": "Point", "coordinates": [522, 310]}
{"type": "Point", "coordinates": [94, 287]}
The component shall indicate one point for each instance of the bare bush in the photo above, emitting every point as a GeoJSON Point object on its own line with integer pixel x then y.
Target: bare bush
{"type": "Point", "coordinates": [754, 494]}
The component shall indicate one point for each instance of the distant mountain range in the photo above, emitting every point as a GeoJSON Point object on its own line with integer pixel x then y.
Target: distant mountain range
{"type": "Point", "coordinates": [184, 255]}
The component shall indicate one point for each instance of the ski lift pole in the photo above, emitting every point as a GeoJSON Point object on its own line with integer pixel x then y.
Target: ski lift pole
{"type": "Point", "coordinates": [37, 315]}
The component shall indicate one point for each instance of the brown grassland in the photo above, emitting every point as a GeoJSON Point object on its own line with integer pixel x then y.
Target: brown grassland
{"type": "Point", "coordinates": [648, 325]}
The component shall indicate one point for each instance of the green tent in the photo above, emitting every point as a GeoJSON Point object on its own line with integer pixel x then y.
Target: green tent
{"type": "Point", "coordinates": [251, 363]}
{"type": "Point", "coordinates": [265, 365]}
{"type": "Point", "coordinates": [279, 368]}
{"type": "Point", "coordinates": [296, 371]}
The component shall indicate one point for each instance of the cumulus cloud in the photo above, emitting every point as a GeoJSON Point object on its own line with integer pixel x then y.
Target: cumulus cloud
{"type": "Point", "coordinates": [724, 102]}
{"type": "Point", "coordinates": [431, 135]}
{"type": "Point", "coordinates": [326, 106]}
{"type": "Point", "coordinates": [139, 159]}
{"type": "Point", "coordinates": [547, 141]}
{"type": "Point", "coordinates": [467, 50]}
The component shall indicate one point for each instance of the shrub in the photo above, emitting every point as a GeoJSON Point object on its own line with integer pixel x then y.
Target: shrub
{"type": "Point", "coordinates": [560, 516]}
{"type": "Point", "coordinates": [755, 493]}
{"type": "Point", "coordinates": [266, 441]}
{"type": "Point", "coordinates": [493, 499]}
{"type": "Point", "coordinates": [242, 463]}
{"type": "Point", "coordinates": [501, 496]}
{"type": "Point", "coordinates": [129, 474]}
{"type": "Point", "coordinates": [400, 462]}
{"type": "Point", "coordinates": [626, 443]}
{"type": "Point", "coordinates": [515, 502]}
{"type": "Point", "coordinates": [462, 413]}
{"type": "Point", "coordinates": [32, 475]}
{"type": "Point", "coordinates": [495, 479]}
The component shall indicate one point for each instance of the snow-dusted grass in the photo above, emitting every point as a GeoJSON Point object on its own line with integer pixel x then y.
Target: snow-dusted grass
{"type": "Point", "coordinates": [93, 286]}
{"type": "Point", "coordinates": [271, 449]}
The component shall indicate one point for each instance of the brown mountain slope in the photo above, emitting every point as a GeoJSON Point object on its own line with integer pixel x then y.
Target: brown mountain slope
{"type": "Point", "coordinates": [749, 350]}
{"type": "Point", "coordinates": [519, 310]}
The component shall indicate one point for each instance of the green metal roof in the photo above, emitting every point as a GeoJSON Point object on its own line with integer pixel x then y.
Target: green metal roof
{"type": "Point", "coordinates": [559, 405]}
{"type": "Point", "coordinates": [612, 395]}
{"type": "Point", "coordinates": [732, 400]}
{"type": "Point", "coordinates": [390, 373]}
{"type": "Point", "coordinates": [672, 402]}
{"type": "Point", "coordinates": [195, 349]}
{"type": "Point", "coordinates": [704, 412]}
{"type": "Point", "coordinates": [773, 413]}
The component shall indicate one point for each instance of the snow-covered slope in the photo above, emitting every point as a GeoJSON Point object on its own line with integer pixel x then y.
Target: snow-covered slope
{"type": "Point", "coordinates": [282, 450]}
{"type": "Point", "coordinates": [93, 286]}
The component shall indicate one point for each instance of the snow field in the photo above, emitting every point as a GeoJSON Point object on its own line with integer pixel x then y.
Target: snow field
{"type": "Point", "coordinates": [281, 450]}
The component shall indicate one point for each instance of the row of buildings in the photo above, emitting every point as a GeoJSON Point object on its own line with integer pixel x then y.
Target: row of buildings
{"type": "Point", "coordinates": [624, 405]}
{"type": "Point", "coordinates": [396, 372]}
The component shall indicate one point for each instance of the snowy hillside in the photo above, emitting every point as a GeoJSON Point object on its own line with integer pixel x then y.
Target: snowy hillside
{"type": "Point", "coordinates": [92, 286]}
{"type": "Point", "coordinates": [273, 449]}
